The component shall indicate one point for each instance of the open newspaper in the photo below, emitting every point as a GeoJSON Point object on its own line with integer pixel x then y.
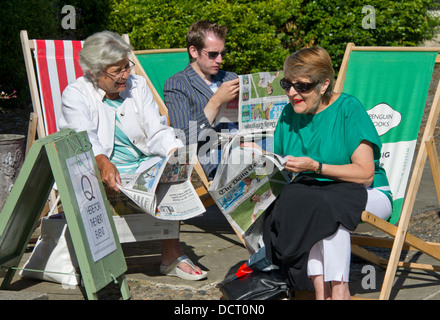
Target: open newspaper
{"type": "Point", "coordinates": [259, 104]}
{"type": "Point", "coordinates": [248, 180]}
{"type": "Point", "coordinates": [162, 187]}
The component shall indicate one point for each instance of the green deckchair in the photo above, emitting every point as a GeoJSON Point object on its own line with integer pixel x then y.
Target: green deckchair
{"type": "Point", "coordinates": [392, 83]}
{"type": "Point", "coordinates": [157, 66]}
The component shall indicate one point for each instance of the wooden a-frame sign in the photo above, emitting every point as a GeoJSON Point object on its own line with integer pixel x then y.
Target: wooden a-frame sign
{"type": "Point", "coordinates": [65, 158]}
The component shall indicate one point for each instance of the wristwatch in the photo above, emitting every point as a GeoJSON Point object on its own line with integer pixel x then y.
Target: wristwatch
{"type": "Point", "coordinates": [318, 171]}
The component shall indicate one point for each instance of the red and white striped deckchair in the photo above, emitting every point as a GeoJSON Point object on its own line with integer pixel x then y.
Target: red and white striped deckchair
{"type": "Point", "coordinates": [56, 65]}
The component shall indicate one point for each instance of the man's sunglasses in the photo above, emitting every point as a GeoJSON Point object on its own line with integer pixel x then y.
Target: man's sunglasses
{"type": "Point", "coordinates": [214, 54]}
{"type": "Point", "coordinates": [299, 86]}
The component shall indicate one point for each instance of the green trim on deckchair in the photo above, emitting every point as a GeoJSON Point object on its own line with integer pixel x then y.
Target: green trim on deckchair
{"type": "Point", "coordinates": [399, 79]}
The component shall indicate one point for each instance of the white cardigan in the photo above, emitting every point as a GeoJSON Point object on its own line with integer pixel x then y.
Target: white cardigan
{"type": "Point", "coordinates": [83, 109]}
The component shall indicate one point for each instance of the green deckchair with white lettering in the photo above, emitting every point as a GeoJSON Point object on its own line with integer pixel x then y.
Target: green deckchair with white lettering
{"type": "Point", "coordinates": [392, 83]}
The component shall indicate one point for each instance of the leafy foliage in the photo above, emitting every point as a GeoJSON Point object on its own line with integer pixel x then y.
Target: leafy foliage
{"type": "Point", "coordinates": [262, 33]}
{"type": "Point", "coordinates": [254, 39]}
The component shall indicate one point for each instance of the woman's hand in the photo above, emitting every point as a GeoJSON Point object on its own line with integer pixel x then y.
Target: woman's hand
{"type": "Point", "coordinates": [360, 170]}
{"type": "Point", "coordinates": [300, 164]}
{"type": "Point", "coordinates": [109, 174]}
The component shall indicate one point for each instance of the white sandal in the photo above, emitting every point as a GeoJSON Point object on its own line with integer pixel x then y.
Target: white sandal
{"type": "Point", "coordinates": [174, 270]}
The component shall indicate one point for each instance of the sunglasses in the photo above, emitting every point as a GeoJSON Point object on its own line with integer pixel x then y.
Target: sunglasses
{"type": "Point", "coordinates": [214, 54]}
{"type": "Point", "coordinates": [299, 86]}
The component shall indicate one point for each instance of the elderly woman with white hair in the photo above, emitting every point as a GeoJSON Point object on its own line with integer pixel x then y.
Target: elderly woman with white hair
{"type": "Point", "coordinates": [123, 123]}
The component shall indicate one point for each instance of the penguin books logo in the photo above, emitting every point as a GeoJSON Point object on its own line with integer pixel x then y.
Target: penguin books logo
{"type": "Point", "coordinates": [384, 118]}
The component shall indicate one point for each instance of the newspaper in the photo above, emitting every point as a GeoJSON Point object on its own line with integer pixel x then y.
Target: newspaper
{"type": "Point", "coordinates": [261, 101]}
{"type": "Point", "coordinates": [162, 187]}
{"type": "Point", "coordinates": [228, 112]}
{"type": "Point", "coordinates": [259, 105]}
{"type": "Point", "coordinates": [248, 180]}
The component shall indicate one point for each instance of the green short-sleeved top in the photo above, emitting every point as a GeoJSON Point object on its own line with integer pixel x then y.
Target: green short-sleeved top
{"type": "Point", "coordinates": [330, 136]}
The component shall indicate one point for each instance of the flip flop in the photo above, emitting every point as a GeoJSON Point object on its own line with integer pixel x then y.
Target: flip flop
{"type": "Point", "coordinates": [174, 270]}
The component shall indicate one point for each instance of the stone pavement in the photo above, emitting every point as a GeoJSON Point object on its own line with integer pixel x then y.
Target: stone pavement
{"type": "Point", "coordinates": [211, 243]}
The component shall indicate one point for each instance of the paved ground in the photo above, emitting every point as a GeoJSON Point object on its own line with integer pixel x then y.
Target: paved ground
{"type": "Point", "coordinates": [212, 244]}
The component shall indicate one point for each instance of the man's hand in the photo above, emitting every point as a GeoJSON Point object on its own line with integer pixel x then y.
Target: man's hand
{"type": "Point", "coordinates": [228, 91]}
{"type": "Point", "coordinates": [109, 173]}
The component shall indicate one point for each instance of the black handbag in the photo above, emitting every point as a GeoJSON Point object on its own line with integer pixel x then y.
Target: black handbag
{"type": "Point", "coordinates": [257, 285]}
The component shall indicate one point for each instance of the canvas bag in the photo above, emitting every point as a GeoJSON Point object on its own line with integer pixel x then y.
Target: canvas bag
{"type": "Point", "coordinates": [53, 253]}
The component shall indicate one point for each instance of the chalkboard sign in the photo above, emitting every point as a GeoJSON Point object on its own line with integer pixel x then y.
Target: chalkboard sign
{"type": "Point", "coordinates": [67, 159]}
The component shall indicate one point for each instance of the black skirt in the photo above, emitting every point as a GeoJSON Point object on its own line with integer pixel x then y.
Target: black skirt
{"type": "Point", "coordinates": [306, 212]}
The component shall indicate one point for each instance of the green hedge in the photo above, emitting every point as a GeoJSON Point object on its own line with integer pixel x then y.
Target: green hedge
{"type": "Point", "coordinates": [262, 33]}
{"type": "Point", "coordinates": [254, 40]}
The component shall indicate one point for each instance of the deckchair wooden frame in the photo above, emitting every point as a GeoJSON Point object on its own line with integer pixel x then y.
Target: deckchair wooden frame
{"type": "Point", "coordinates": [36, 123]}
{"type": "Point", "coordinates": [401, 239]}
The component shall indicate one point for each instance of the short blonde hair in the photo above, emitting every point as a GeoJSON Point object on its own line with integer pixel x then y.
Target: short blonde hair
{"type": "Point", "coordinates": [102, 50]}
{"type": "Point", "coordinates": [313, 63]}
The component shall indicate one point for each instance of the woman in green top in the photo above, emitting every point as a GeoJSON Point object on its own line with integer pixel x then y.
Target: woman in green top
{"type": "Point", "coordinates": [333, 147]}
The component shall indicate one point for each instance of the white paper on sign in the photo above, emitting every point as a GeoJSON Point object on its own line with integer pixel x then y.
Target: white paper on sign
{"type": "Point", "coordinates": [91, 206]}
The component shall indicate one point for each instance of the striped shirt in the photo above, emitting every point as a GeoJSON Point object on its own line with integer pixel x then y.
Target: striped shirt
{"type": "Point", "coordinates": [125, 156]}
{"type": "Point", "coordinates": [186, 95]}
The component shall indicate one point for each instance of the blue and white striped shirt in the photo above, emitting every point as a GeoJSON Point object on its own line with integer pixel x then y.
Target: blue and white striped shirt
{"type": "Point", "coordinates": [186, 95]}
{"type": "Point", "coordinates": [125, 156]}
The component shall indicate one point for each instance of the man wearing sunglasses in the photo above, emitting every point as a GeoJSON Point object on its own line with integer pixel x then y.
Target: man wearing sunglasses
{"type": "Point", "coordinates": [195, 95]}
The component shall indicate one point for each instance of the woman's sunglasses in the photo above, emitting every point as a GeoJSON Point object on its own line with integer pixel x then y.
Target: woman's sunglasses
{"type": "Point", "coordinates": [299, 86]}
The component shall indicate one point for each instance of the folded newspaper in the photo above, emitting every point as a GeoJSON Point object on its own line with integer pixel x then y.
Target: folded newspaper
{"type": "Point", "coordinates": [248, 180]}
{"type": "Point", "coordinates": [162, 187]}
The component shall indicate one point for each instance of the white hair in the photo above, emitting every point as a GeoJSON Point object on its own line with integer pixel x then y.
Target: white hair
{"type": "Point", "coordinates": [102, 50]}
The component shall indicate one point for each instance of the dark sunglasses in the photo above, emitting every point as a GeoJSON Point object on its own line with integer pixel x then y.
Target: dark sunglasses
{"type": "Point", "coordinates": [299, 86]}
{"type": "Point", "coordinates": [214, 54]}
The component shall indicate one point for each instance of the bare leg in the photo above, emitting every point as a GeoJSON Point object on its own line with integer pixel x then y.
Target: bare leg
{"type": "Point", "coordinates": [340, 290]}
{"type": "Point", "coordinates": [322, 289]}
